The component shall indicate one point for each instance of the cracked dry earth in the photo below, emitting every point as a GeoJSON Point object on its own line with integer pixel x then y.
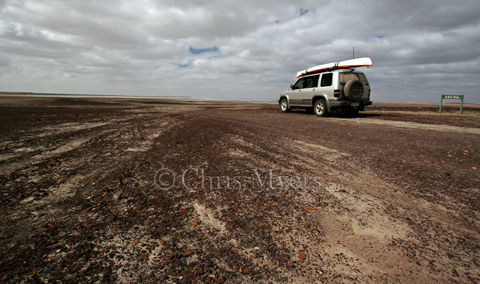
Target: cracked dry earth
{"type": "Point", "coordinates": [390, 196]}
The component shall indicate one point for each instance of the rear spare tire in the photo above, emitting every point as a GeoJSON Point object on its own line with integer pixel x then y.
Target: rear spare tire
{"type": "Point", "coordinates": [353, 89]}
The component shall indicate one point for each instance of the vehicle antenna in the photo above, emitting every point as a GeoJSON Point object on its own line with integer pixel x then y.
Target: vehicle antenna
{"type": "Point", "coordinates": [353, 52]}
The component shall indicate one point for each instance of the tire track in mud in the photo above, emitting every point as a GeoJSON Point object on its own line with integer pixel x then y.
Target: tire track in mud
{"type": "Point", "coordinates": [41, 188]}
{"type": "Point", "coordinates": [296, 207]}
{"type": "Point", "coordinates": [366, 209]}
{"type": "Point", "coordinates": [345, 218]}
{"type": "Point", "coordinates": [99, 217]}
{"type": "Point", "coordinates": [413, 125]}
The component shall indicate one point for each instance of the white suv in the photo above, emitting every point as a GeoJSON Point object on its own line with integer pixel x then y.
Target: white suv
{"type": "Point", "coordinates": [341, 90]}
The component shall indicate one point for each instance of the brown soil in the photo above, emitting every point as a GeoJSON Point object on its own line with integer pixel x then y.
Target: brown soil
{"type": "Point", "coordinates": [390, 196]}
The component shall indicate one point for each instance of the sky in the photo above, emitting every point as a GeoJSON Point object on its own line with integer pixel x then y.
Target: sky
{"type": "Point", "coordinates": [237, 49]}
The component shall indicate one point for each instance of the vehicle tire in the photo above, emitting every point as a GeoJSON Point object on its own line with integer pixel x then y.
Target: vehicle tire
{"type": "Point", "coordinates": [353, 89]}
{"type": "Point", "coordinates": [284, 107]}
{"type": "Point", "coordinates": [320, 108]}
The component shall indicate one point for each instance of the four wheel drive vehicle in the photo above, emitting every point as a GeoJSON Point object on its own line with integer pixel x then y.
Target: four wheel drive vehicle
{"type": "Point", "coordinates": [333, 87]}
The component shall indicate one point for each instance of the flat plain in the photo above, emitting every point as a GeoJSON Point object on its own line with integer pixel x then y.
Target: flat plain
{"type": "Point", "coordinates": [135, 190]}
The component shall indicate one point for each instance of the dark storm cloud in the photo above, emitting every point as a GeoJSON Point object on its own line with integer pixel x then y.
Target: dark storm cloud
{"type": "Point", "coordinates": [253, 49]}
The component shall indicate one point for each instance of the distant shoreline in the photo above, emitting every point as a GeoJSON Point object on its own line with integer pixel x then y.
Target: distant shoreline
{"type": "Point", "coordinates": [109, 96]}
{"type": "Point", "coordinates": [213, 100]}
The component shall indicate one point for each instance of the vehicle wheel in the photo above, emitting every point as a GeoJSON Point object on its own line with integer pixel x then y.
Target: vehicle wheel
{"type": "Point", "coordinates": [353, 89]}
{"type": "Point", "coordinates": [320, 108]}
{"type": "Point", "coordinates": [284, 107]}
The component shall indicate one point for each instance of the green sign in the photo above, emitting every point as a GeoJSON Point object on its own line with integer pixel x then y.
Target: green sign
{"type": "Point", "coordinates": [452, 97]}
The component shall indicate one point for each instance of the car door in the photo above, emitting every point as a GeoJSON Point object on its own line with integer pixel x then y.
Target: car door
{"type": "Point", "coordinates": [310, 87]}
{"type": "Point", "coordinates": [326, 85]}
{"type": "Point", "coordinates": [296, 93]}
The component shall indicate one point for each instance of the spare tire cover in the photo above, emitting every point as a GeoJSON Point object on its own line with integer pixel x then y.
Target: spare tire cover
{"type": "Point", "coordinates": [353, 89]}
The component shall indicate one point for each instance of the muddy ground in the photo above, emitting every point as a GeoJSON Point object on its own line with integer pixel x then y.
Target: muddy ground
{"type": "Point", "coordinates": [92, 190]}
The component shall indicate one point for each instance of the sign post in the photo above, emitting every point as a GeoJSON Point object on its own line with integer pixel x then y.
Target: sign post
{"type": "Point", "coordinates": [452, 97]}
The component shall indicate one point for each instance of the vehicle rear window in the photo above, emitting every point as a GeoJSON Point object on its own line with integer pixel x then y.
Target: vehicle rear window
{"type": "Point", "coordinates": [363, 79]}
{"type": "Point", "coordinates": [345, 77]}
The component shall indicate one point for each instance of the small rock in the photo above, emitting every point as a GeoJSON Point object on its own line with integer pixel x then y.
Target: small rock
{"type": "Point", "coordinates": [301, 256]}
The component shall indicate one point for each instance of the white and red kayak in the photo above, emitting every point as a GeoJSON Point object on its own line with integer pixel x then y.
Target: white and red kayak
{"type": "Point", "coordinates": [346, 64]}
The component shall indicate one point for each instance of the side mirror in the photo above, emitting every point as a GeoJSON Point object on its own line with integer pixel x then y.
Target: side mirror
{"type": "Point", "coordinates": [291, 86]}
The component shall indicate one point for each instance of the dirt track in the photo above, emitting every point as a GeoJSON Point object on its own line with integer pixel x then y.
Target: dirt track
{"type": "Point", "coordinates": [385, 197]}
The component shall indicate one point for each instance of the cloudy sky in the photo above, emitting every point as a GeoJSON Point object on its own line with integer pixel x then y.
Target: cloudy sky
{"type": "Point", "coordinates": [237, 49]}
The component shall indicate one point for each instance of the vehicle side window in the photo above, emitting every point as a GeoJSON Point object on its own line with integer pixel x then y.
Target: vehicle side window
{"type": "Point", "coordinates": [311, 82]}
{"type": "Point", "coordinates": [315, 81]}
{"type": "Point", "coordinates": [326, 79]}
{"type": "Point", "coordinates": [308, 83]}
{"type": "Point", "coordinates": [299, 84]}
